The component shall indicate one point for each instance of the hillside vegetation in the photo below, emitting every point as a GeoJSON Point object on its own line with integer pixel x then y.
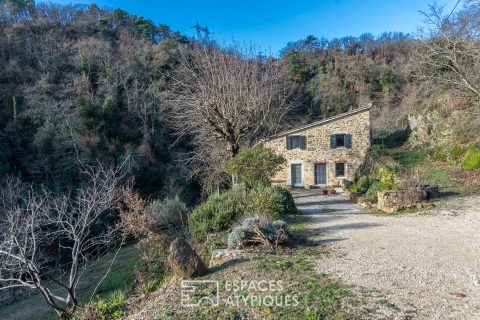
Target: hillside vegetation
{"type": "Point", "coordinates": [114, 128]}
{"type": "Point", "coordinates": [89, 84]}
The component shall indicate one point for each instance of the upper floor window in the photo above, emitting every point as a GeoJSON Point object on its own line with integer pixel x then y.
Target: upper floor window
{"type": "Point", "coordinates": [296, 142]}
{"type": "Point", "coordinates": [341, 140]}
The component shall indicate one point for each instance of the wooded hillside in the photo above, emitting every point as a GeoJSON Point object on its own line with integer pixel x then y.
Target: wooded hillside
{"type": "Point", "coordinates": [112, 128]}
{"type": "Point", "coordinates": [85, 84]}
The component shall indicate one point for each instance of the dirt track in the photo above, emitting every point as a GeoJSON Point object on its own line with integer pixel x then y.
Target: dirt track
{"type": "Point", "coordinates": [427, 264]}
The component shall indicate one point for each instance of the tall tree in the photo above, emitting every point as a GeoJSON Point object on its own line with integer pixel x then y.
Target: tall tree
{"type": "Point", "coordinates": [224, 99]}
{"type": "Point", "coordinates": [449, 53]}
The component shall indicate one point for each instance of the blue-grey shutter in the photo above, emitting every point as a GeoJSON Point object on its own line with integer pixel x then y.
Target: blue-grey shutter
{"type": "Point", "coordinates": [303, 142]}
{"type": "Point", "coordinates": [289, 143]}
{"type": "Point", "coordinates": [348, 141]}
{"type": "Point", "coordinates": [333, 141]}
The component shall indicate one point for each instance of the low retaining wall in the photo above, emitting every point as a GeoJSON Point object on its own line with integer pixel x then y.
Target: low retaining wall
{"type": "Point", "coordinates": [392, 201]}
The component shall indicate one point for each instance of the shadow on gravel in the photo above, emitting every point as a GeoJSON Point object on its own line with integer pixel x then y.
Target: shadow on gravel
{"type": "Point", "coordinates": [323, 203]}
{"type": "Point", "coordinates": [349, 226]}
{"type": "Point", "coordinates": [327, 211]}
{"type": "Point", "coordinates": [448, 194]}
{"type": "Point", "coordinates": [332, 240]}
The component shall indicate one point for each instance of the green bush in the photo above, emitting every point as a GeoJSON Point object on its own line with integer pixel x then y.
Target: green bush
{"type": "Point", "coordinates": [371, 193]}
{"type": "Point", "coordinates": [388, 79]}
{"type": "Point", "coordinates": [471, 159]}
{"type": "Point", "coordinates": [274, 202]}
{"type": "Point", "coordinates": [448, 153]}
{"type": "Point", "coordinates": [255, 166]}
{"type": "Point", "coordinates": [364, 183]}
{"type": "Point", "coordinates": [169, 212]}
{"type": "Point", "coordinates": [387, 176]}
{"type": "Point", "coordinates": [104, 309]}
{"type": "Point", "coordinates": [354, 188]}
{"type": "Point", "coordinates": [149, 287]}
{"type": "Point", "coordinates": [347, 184]}
{"type": "Point", "coordinates": [237, 236]}
{"type": "Point", "coordinates": [217, 213]}
{"type": "Point", "coordinates": [214, 241]}
{"type": "Point", "coordinates": [456, 153]}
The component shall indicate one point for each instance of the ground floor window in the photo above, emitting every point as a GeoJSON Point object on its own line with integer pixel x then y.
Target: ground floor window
{"type": "Point", "coordinates": [340, 169]}
{"type": "Point", "coordinates": [320, 173]}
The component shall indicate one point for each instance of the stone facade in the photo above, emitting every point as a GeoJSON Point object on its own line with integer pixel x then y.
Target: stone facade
{"type": "Point", "coordinates": [317, 149]}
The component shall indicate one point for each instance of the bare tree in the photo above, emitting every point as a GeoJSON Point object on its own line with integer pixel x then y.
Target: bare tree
{"type": "Point", "coordinates": [448, 54]}
{"type": "Point", "coordinates": [32, 221]}
{"type": "Point", "coordinates": [224, 99]}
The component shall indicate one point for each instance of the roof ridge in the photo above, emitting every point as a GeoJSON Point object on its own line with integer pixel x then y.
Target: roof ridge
{"type": "Point", "coordinates": [319, 122]}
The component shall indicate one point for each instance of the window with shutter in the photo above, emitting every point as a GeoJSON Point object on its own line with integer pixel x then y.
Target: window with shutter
{"type": "Point", "coordinates": [333, 141]}
{"type": "Point", "coordinates": [303, 142]}
{"type": "Point", "coordinates": [289, 143]}
{"type": "Point", "coordinates": [296, 142]}
{"type": "Point", "coordinates": [341, 140]}
{"type": "Point", "coordinates": [348, 141]}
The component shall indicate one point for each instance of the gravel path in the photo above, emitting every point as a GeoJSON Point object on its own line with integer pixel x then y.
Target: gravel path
{"type": "Point", "coordinates": [426, 264]}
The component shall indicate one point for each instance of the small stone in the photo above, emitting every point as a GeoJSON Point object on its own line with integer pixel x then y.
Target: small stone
{"type": "Point", "coordinates": [459, 295]}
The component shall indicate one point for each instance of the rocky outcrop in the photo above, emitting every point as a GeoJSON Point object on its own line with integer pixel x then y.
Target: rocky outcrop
{"type": "Point", "coordinates": [185, 262]}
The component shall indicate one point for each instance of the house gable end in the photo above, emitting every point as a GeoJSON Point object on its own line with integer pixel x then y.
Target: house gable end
{"type": "Point", "coordinates": [320, 146]}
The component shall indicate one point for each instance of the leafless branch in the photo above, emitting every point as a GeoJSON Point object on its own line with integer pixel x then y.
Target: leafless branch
{"type": "Point", "coordinates": [31, 221]}
{"type": "Point", "coordinates": [223, 99]}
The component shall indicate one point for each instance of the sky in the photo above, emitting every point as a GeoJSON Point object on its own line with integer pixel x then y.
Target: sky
{"type": "Point", "coordinates": [272, 24]}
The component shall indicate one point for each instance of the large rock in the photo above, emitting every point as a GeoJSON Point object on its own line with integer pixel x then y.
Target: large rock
{"type": "Point", "coordinates": [185, 262]}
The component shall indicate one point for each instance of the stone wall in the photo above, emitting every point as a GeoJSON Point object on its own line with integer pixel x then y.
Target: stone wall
{"type": "Point", "coordinates": [356, 123]}
{"type": "Point", "coordinates": [396, 200]}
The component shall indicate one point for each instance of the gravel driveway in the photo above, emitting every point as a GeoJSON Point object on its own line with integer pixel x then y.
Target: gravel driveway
{"type": "Point", "coordinates": [427, 264]}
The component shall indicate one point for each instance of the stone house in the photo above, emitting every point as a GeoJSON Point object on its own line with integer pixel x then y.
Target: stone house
{"type": "Point", "coordinates": [324, 152]}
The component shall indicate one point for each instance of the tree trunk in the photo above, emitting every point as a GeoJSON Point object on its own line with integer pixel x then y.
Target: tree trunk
{"type": "Point", "coordinates": [234, 149]}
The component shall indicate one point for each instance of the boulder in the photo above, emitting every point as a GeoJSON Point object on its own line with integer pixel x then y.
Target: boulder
{"type": "Point", "coordinates": [185, 262]}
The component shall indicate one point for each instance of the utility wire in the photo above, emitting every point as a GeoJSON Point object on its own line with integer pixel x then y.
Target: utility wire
{"type": "Point", "coordinates": [455, 7]}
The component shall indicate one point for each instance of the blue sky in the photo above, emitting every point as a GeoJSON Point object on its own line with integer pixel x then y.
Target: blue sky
{"type": "Point", "coordinates": [272, 24]}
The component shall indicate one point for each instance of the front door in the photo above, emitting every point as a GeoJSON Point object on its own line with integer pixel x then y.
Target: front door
{"type": "Point", "coordinates": [297, 175]}
{"type": "Point", "coordinates": [320, 173]}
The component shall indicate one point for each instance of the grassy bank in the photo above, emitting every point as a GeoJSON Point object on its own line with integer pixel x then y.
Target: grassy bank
{"type": "Point", "coordinates": [450, 179]}
{"type": "Point", "coordinates": [120, 278]}
{"type": "Point", "coordinates": [319, 296]}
